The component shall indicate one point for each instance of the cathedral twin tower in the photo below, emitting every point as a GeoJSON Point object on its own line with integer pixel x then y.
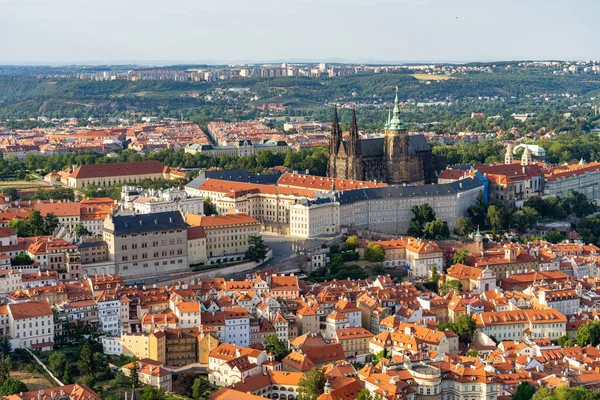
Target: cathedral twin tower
{"type": "Point", "coordinates": [397, 158]}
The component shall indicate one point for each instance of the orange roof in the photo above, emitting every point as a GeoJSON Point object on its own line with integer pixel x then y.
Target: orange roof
{"type": "Point", "coordinates": [234, 189]}
{"type": "Point", "coordinates": [322, 183]}
{"type": "Point", "coordinates": [30, 309]}
{"type": "Point", "coordinates": [118, 169]}
{"type": "Point", "coordinates": [67, 209]}
{"type": "Point", "coordinates": [220, 221]}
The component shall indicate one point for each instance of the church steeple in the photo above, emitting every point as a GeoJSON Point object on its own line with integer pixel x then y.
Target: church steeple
{"type": "Point", "coordinates": [526, 158]}
{"type": "Point", "coordinates": [355, 148]}
{"type": "Point", "coordinates": [335, 141]}
{"type": "Point", "coordinates": [396, 123]}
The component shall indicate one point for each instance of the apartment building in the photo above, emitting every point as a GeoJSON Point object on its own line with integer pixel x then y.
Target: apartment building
{"type": "Point", "coordinates": [10, 280]}
{"type": "Point", "coordinates": [229, 364]}
{"type": "Point", "coordinates": [226, 235]}
{"type": "Point", "coordinates": [145, 245]}
{"type": "Point", "coordinates": [521, 324]}
{"type": "Point", "coordinates": [32, 324]}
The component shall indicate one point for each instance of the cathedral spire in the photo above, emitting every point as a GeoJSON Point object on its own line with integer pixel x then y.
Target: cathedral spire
{"type": "Point", "coordinates": [355, 147]}
{"type": "Point", "coordinates": [396, 123]}
{"type": "Point", "coordinates": [335, 140]}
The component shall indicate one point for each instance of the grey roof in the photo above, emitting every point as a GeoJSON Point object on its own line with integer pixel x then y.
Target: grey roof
{"type": "Point", "coordinates": [353, 196]}
{"type": "Point", "coordinates": [85, 245]}
{"type": "Point", "coordinates": [234, 175]}
{"type": "Point", "coordinates": [148, 222]}
{"type": "Point", "coordinates": [241, 175]}
{"type": "Point", "coordinates": [374, 147]}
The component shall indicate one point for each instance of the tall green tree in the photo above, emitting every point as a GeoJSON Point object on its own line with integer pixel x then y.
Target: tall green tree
{"type": "Point", "coordinates": [133, 373]}
{"type": "Point", "coordinates": [525, 391]}
{"type": "Point", "coordinates": [257, 251]}
{"type": "Point", "coordinates": [86, 360]}
{"type": "Point", "coordinates": [311, 384]}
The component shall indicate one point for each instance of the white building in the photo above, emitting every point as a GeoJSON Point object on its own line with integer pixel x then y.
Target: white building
{"type": "Point", "coordinates": [148, 201]}
{"type": "Point", "coordinates": [229, 364]}
{"type": "Point", "coordinates": [32, 323]}
{"type": "Point", "coordinates": [315, 218]}
{"type": "Point", "coordinates": [10, 280]}
{"type": "Point", "coordinates": [109, 314]}
{"type": "Point", "coordinates": [112, 345]}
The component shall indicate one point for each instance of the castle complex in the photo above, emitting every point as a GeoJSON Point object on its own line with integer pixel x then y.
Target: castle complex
{"type": "Point", "coordinates": [397, 158]}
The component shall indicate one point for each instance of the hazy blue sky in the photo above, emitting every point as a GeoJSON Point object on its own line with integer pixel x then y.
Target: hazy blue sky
{"type": "Point", "coordinates": [64, 31]}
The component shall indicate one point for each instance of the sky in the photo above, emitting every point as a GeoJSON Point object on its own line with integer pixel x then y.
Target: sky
{"type": "Point", "coordinates": [377, 31]}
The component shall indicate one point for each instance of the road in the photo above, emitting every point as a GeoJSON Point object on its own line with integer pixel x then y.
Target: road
{"type": "Point", "coordinates": [285, 247]}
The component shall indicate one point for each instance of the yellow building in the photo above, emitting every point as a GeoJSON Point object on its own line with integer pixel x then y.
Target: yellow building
{"type": "Point", "coordinates": [206, 344]}
{"type": "Point", "coordinates": [152, 346]}
{"type": "Point", "coordinates": [226, 235]}
{"type": "Point", "coordinates": [355, 341]}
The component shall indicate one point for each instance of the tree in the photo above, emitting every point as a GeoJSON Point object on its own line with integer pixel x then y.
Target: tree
{"type": "Point", "coordinates": [5, 366]}
{"type": "Point", "coordinates": [200, 387]}
{"type": "Point", "coordinates": [460, 257]}
{"type": "Point", "coordinates": [56, 363]}
{"type": "Point", "coordinates": [311, 384]}
{"type": "Point", "coordinates": [209, 207]}
{"type": "Point", "coordinates": [67, 376]}
{"type": "Point", "coordinates": [5, 346]}
{"type": "Point", "coordinates": [435, 276]}
{"type": "Point", "coordinates": [374, 253]}
{"type": "Point", "coordinates": [473, 353]}
{"type": "Point", "coordinates": [12, 386]}
{"type": "Point", "coordinates": [81, 230]}
{"type": "Point", "coordinates": [13, 193]}
{"type": "Point", "coordinates": [435, 230]}
{"type": "Point", "coordinates": [463, 227]}
{"type": "Point", "coordinates": [352, 241]}
{"type": "Point", "coordinates": [86, 360]}
{"type": "Point", "coordinates": [588, 334]}
{"type": "Point", "coordinates": [564, 341]}
{"type": "Point", "coordinates": [422, 215]}
{"type": "Point", "coordinates": [36, 223]}
{"type": "Point", "coordinates": [133, 373]}
{"type": "Point", "coordinates": [50, 223]}
{"type": "Point", "coordinates": [151, 393]}
{"type": "Point", "coordinates": [478, 211]}
{"type": "Point", "coordinates": [364, 395]}
{"type": "Point", "coordinates": [257, 250]}
{"type": "Point", "coordinates": [525, 391]}
{"type": "Point", "coordinates": [465, 328]}
{"type": "Point", "coordinates": [20, 226]}
{"type": "Point", "coordinates": [451, 286]}
{"type": "Point", "coordinates": [376, 358]}
{"type": "Point", "coordinates": [497, 216]}
{"type": "Point", "coordinates": [275, 346]}
{"type": "Point", "coordinates": [554, 236]}
{"type": "Point", "coordinates": [22, 259]}
{"type": "Point", "coordinates": [185, 383]}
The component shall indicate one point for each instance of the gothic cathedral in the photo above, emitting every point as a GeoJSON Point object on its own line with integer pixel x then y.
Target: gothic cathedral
{"type": "Point", "coordinates": [397, 158]}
